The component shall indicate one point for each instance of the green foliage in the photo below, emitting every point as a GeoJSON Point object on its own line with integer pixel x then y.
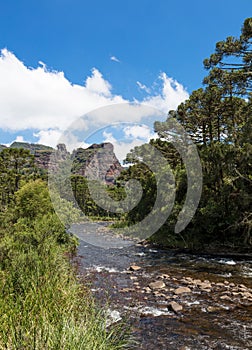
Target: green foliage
{"type": "Point", "coordinates": [86, 203]}
{"type": "Point", "coordinates": [16, 165]}
{"type": "Point", "coordinates": [218, 120]}
{"type": "Point", "coordinates": [43, 305]}
{"type": "Point", "coordinates": [231, 64]}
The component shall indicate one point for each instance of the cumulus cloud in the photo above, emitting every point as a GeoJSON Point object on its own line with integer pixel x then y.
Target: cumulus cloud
{"type": "Point", "coordinates": [48, 137]}
{"type": "Point", "coordinates": [97, 85]}
{"type": "Point", "coordinates": [142, 132]}
{"type": "Point", "coordinates": [131, 136]}
{"type": "Point", "coordinates": [46, 101]}
{"type": "Point", "coordinates": [172, 94]}
{"type": "Point", "coordinates": [121, 148]}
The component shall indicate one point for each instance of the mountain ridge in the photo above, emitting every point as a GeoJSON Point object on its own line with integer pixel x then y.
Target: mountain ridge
{"type": "Point", "coordinates": [98, 161]}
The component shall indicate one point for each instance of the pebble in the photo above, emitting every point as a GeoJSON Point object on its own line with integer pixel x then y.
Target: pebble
{"type": "Point", "coordinates": [157, 285]}
{"type": "Point", "coordinates": [213, 308]}
{"type": "Point", "coordinates": [134, 268]}
{"type": "Point", "coordinates": [182, 290]}
{"type": "Point", "coordinates": [173, 305]}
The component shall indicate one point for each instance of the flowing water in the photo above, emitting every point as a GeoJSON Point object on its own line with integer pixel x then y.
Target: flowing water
{"type": "Point", "coordinates": [216, 309]}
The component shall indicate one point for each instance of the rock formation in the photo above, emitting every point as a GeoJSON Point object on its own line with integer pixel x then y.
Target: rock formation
{"type": "Point", "coordinates": [96, 162]}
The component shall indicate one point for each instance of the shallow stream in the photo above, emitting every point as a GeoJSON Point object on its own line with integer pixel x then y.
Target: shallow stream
{"type": "Point", "coordinates": [216, 303]}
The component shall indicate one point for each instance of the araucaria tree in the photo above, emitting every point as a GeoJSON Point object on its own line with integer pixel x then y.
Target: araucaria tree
{"type": "Point", "coordinates": [218, 119]}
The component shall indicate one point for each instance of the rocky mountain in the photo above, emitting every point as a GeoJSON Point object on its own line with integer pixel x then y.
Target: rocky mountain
{"type": "Point", "coordinates": [97, 161]}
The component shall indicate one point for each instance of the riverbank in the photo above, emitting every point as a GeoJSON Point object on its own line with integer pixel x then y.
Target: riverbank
{"type": "Point", "coordinates": [43, 304]}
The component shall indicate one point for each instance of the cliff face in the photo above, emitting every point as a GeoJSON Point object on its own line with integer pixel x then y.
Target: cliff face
{"type": "Point", "coordinates": [44, 157]}
{"type": "Point", "coordinates": [96, 162]}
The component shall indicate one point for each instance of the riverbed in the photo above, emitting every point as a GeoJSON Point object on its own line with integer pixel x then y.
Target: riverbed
{"type": "Point", "coordinates": [172, 300]}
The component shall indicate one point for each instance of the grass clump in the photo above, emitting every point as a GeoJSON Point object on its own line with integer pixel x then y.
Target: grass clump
{"type": "Point", "coordinates": [42, 303]}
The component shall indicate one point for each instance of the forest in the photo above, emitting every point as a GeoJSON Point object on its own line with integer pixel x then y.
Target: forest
{"type": "Point", "coordinates": [218, 119]}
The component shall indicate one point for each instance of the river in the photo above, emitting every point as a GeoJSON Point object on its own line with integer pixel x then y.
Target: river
{"type": "Point", "coordinates": [195, 302]}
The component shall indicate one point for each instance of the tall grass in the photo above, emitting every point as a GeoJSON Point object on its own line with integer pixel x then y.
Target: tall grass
{"type": "Point", "coordinates": [42, 303]}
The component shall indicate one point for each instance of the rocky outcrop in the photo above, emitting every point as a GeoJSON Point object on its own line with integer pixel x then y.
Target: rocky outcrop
{"type": "Point", "coordinates": [97, 162]}
{"type": "Point", "coordinates": [51, 157]}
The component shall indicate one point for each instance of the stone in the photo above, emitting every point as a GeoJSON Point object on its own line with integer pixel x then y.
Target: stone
{"type": "Point", "coordinates": [174, 306]}
{"type": "Point", "coordinates": [134, 268]}
{"type": "Point", "coordinates": [220, 284]}
{"type": "Point", "coordinates": [225, 297]}
{"type": "Point", "coordinates": [182, 290]}
{"type": "Point", "coordinates": [213, 308]}
{"type": "Point", "coordinates": [157, 285]}
{"type": "Point", "coordinates": [197, 281]}
{"type": "Point", "coordinates": [235, 293]}
{"type": "Point", "coordinates": [205, 285]}
{"type": "Point", "coordinates": [246, 295]}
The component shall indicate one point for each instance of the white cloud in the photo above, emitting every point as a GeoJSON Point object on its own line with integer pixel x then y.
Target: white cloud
{"type": "Point", "coordinates": [121, 148]}
{"type": "Point", "coordinates": [48, 137]}
{"type": "Point", "coordinates": [133, 135]}
{"type": "Point", "coordinates": [141, 132]}
{"type": "Point", "coordinates": [19, 138]}
{"type": "Point", "coordinates": [143, 87]}
{"type": "Point", "coordinates": [114, 58]}
{"type": "Point", "coordinates": [172, 94]}
{"type": "Point", "coordinates": [46, 101]}
{"type": "Point", "coordinates": [97, 85]}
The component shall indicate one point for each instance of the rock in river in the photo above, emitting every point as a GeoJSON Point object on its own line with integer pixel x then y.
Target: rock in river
{"type": "Point", "coordinates": [157, 285]}
{"type": "Point", "coordinates": [134, 268]}
{"type": "Point", "coordinates": [175, 306]}
{"type": "Point", "coordinates": [182, 290]}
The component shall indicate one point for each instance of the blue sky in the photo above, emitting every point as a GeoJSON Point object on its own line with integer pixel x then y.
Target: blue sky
{"type": "Point", "coordinates": [94, 53]}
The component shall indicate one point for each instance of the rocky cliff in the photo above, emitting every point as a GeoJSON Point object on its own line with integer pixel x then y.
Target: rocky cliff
{"type": "Point", "coordinates": [96, 162]}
